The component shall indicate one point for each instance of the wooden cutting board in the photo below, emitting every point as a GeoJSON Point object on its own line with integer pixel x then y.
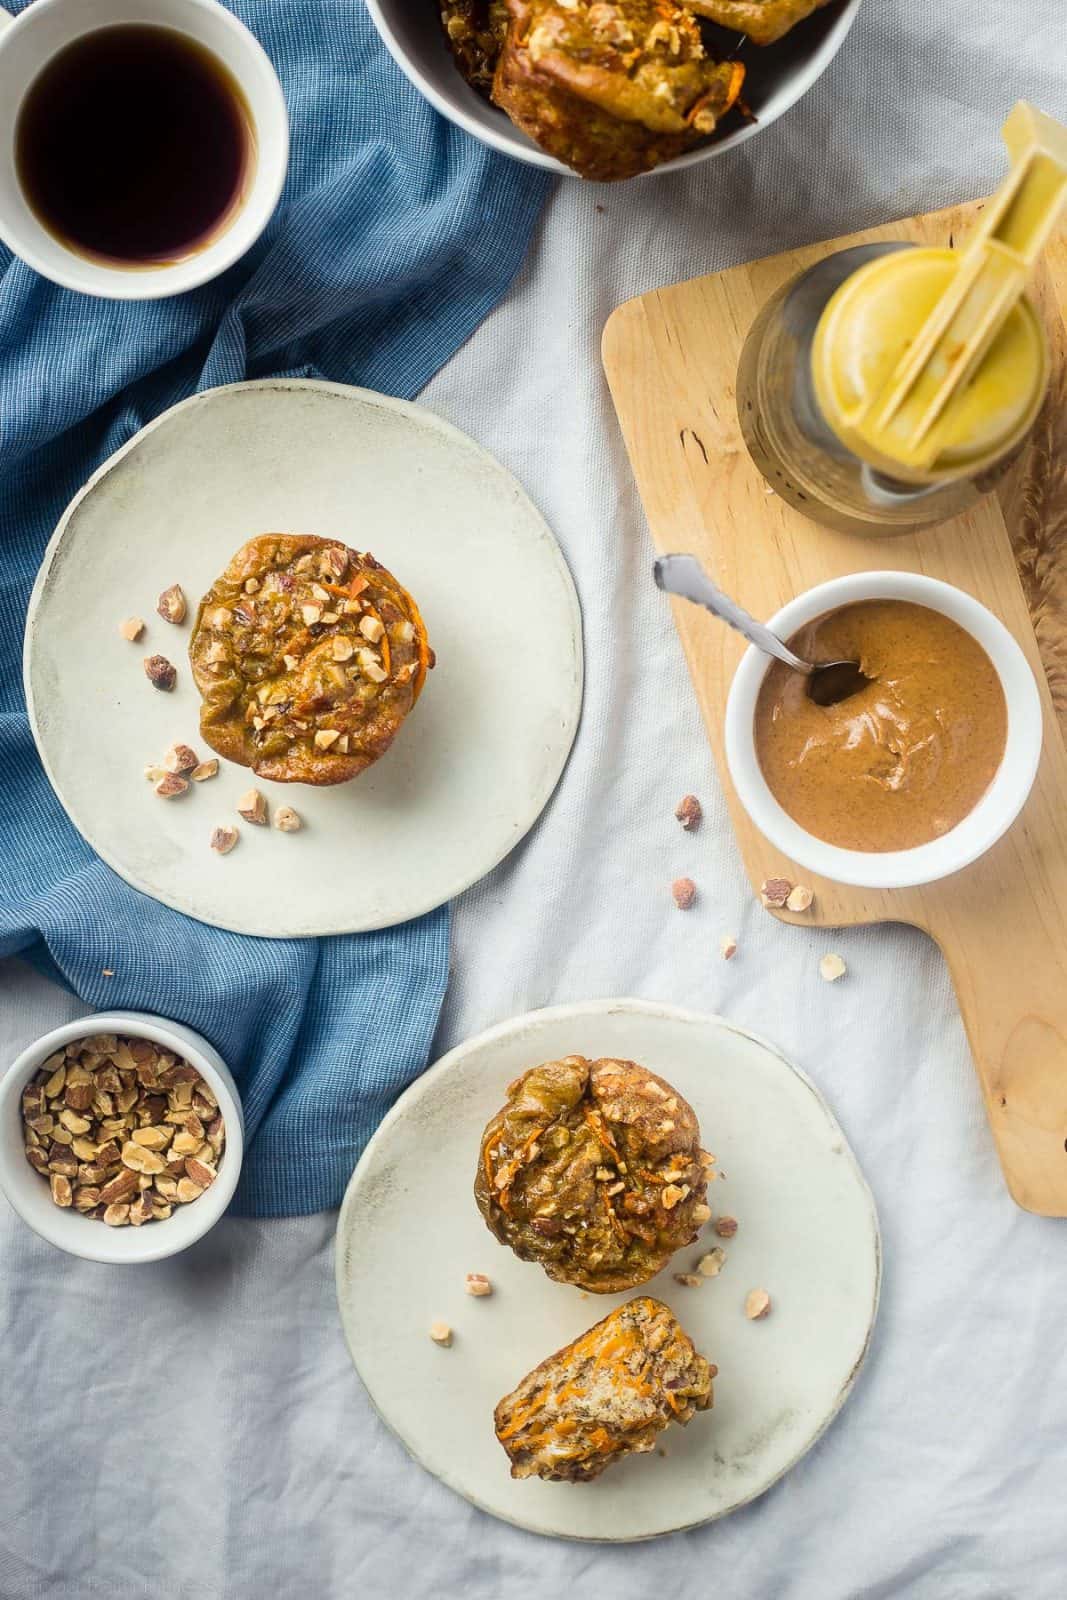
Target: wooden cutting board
{"type": "Point", "coordinates": [671, 358]}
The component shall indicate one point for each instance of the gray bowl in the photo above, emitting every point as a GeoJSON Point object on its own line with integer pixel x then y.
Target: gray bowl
{"type": "Point", "coordinates": [777, 77]}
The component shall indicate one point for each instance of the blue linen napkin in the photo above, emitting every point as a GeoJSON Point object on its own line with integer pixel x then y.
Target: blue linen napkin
{"type": "Point", "coordinates": [395, 237]}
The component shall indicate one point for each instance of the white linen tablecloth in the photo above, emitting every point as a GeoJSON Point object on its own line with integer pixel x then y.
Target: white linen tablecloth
{"type": "Point", "coordinates": [194, 1428]}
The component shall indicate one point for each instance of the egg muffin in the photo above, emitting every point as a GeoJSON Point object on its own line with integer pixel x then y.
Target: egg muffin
{"type": "Point", "coordinates": [594, 1169]}
{"type": "Point", "coordinates": [611, 87]}
{"type": "Point", "coordinates": [764, 21]}
{"type": "Point", "coordinates": [475, 32]}
{"type": "Point", "coordinates": [607, 1395]}
{"type": "Point", "coordinates": [308, 656]}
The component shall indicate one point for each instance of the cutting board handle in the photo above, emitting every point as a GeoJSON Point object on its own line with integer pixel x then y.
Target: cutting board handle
{"type": "Point", "coordinates": [1012, 993]}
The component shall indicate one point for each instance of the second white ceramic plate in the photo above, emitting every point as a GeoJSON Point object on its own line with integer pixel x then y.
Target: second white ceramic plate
{"type": "Point", "coordinates": [474, 764]}
{"type": "Point", "coordinates": [409, 1231]}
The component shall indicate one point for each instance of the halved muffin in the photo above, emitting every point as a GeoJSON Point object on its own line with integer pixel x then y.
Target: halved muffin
{"type": "Point", "coordinates": [308, 656]}
{"type": "Point", "coordinates": [764, 21]}
{"type": "Point", "coordinates": [594, 1169]}
{"type": "Point", "coordinates": [605, 1396]}
{"type": "Point", "coordinates": [475, 32]}
{"type": "Point", "coordinates": [611, 87]}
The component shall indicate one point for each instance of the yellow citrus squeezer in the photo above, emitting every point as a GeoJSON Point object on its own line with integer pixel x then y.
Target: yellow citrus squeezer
{"type": "Point", "coordinates": [932, 364]}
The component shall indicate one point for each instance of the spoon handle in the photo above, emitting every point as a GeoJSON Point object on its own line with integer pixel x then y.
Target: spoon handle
{"type": "Point", "coordinates": [683, 575]}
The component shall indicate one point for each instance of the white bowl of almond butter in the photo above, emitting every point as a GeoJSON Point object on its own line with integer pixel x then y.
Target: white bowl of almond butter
{"type": "Point", "coordinates": [919, 772]}
{"type": "Point", "coordinates": [121, 1137]}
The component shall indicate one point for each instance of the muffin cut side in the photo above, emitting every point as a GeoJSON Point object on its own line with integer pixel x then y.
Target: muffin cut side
{"type": "Point", "coordinates": [607, 1395]}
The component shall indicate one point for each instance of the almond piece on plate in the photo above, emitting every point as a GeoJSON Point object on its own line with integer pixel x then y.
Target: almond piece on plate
{"type": "Point", "coordinates": [831, 968]}
{"type": "Point", "coordinates": [441, 1333]}
{"type": "Point", "coordinates": [253, 807]}
{"type": "Point", "coordinates": [171, 604]}
{"type": "Point", "coordinates": [757, 1304]}
{"type": "Point", "coordinates": [286, 820]}
{"type": "Point", "coordinates": [170, 786]}
{"type": "Point", "coordinates": [223, 839]}
{"type": "Point", "coordinates": [132, 628]}
{"type": "Point", "coordinates": [477, 1284]}
{"type": "Point", "coordinates": [180, 759]}
{"type": "Point", "coordinates": [160, 672]}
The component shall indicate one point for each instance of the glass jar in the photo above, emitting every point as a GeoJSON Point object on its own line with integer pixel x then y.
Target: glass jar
{"type": "Point", "coordinates": [793, 443]}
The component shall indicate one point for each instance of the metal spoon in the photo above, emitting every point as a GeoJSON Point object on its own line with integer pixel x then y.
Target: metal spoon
{"type": "Point", "coordinates": [828, 681]}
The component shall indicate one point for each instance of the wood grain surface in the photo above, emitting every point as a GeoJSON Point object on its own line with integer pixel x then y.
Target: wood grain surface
{"type": "Point", "coordinates": [671, 358]}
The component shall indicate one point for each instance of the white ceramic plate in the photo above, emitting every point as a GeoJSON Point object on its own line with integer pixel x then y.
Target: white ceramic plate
{"type": "Point", "coordinates": [409, 1231]}
{"type": "Point", "coordinates": [471, 769]}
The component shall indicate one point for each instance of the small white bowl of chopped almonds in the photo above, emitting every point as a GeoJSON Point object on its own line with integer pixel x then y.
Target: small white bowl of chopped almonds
{"type": "Point", "coordinates": [121, 1137]}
